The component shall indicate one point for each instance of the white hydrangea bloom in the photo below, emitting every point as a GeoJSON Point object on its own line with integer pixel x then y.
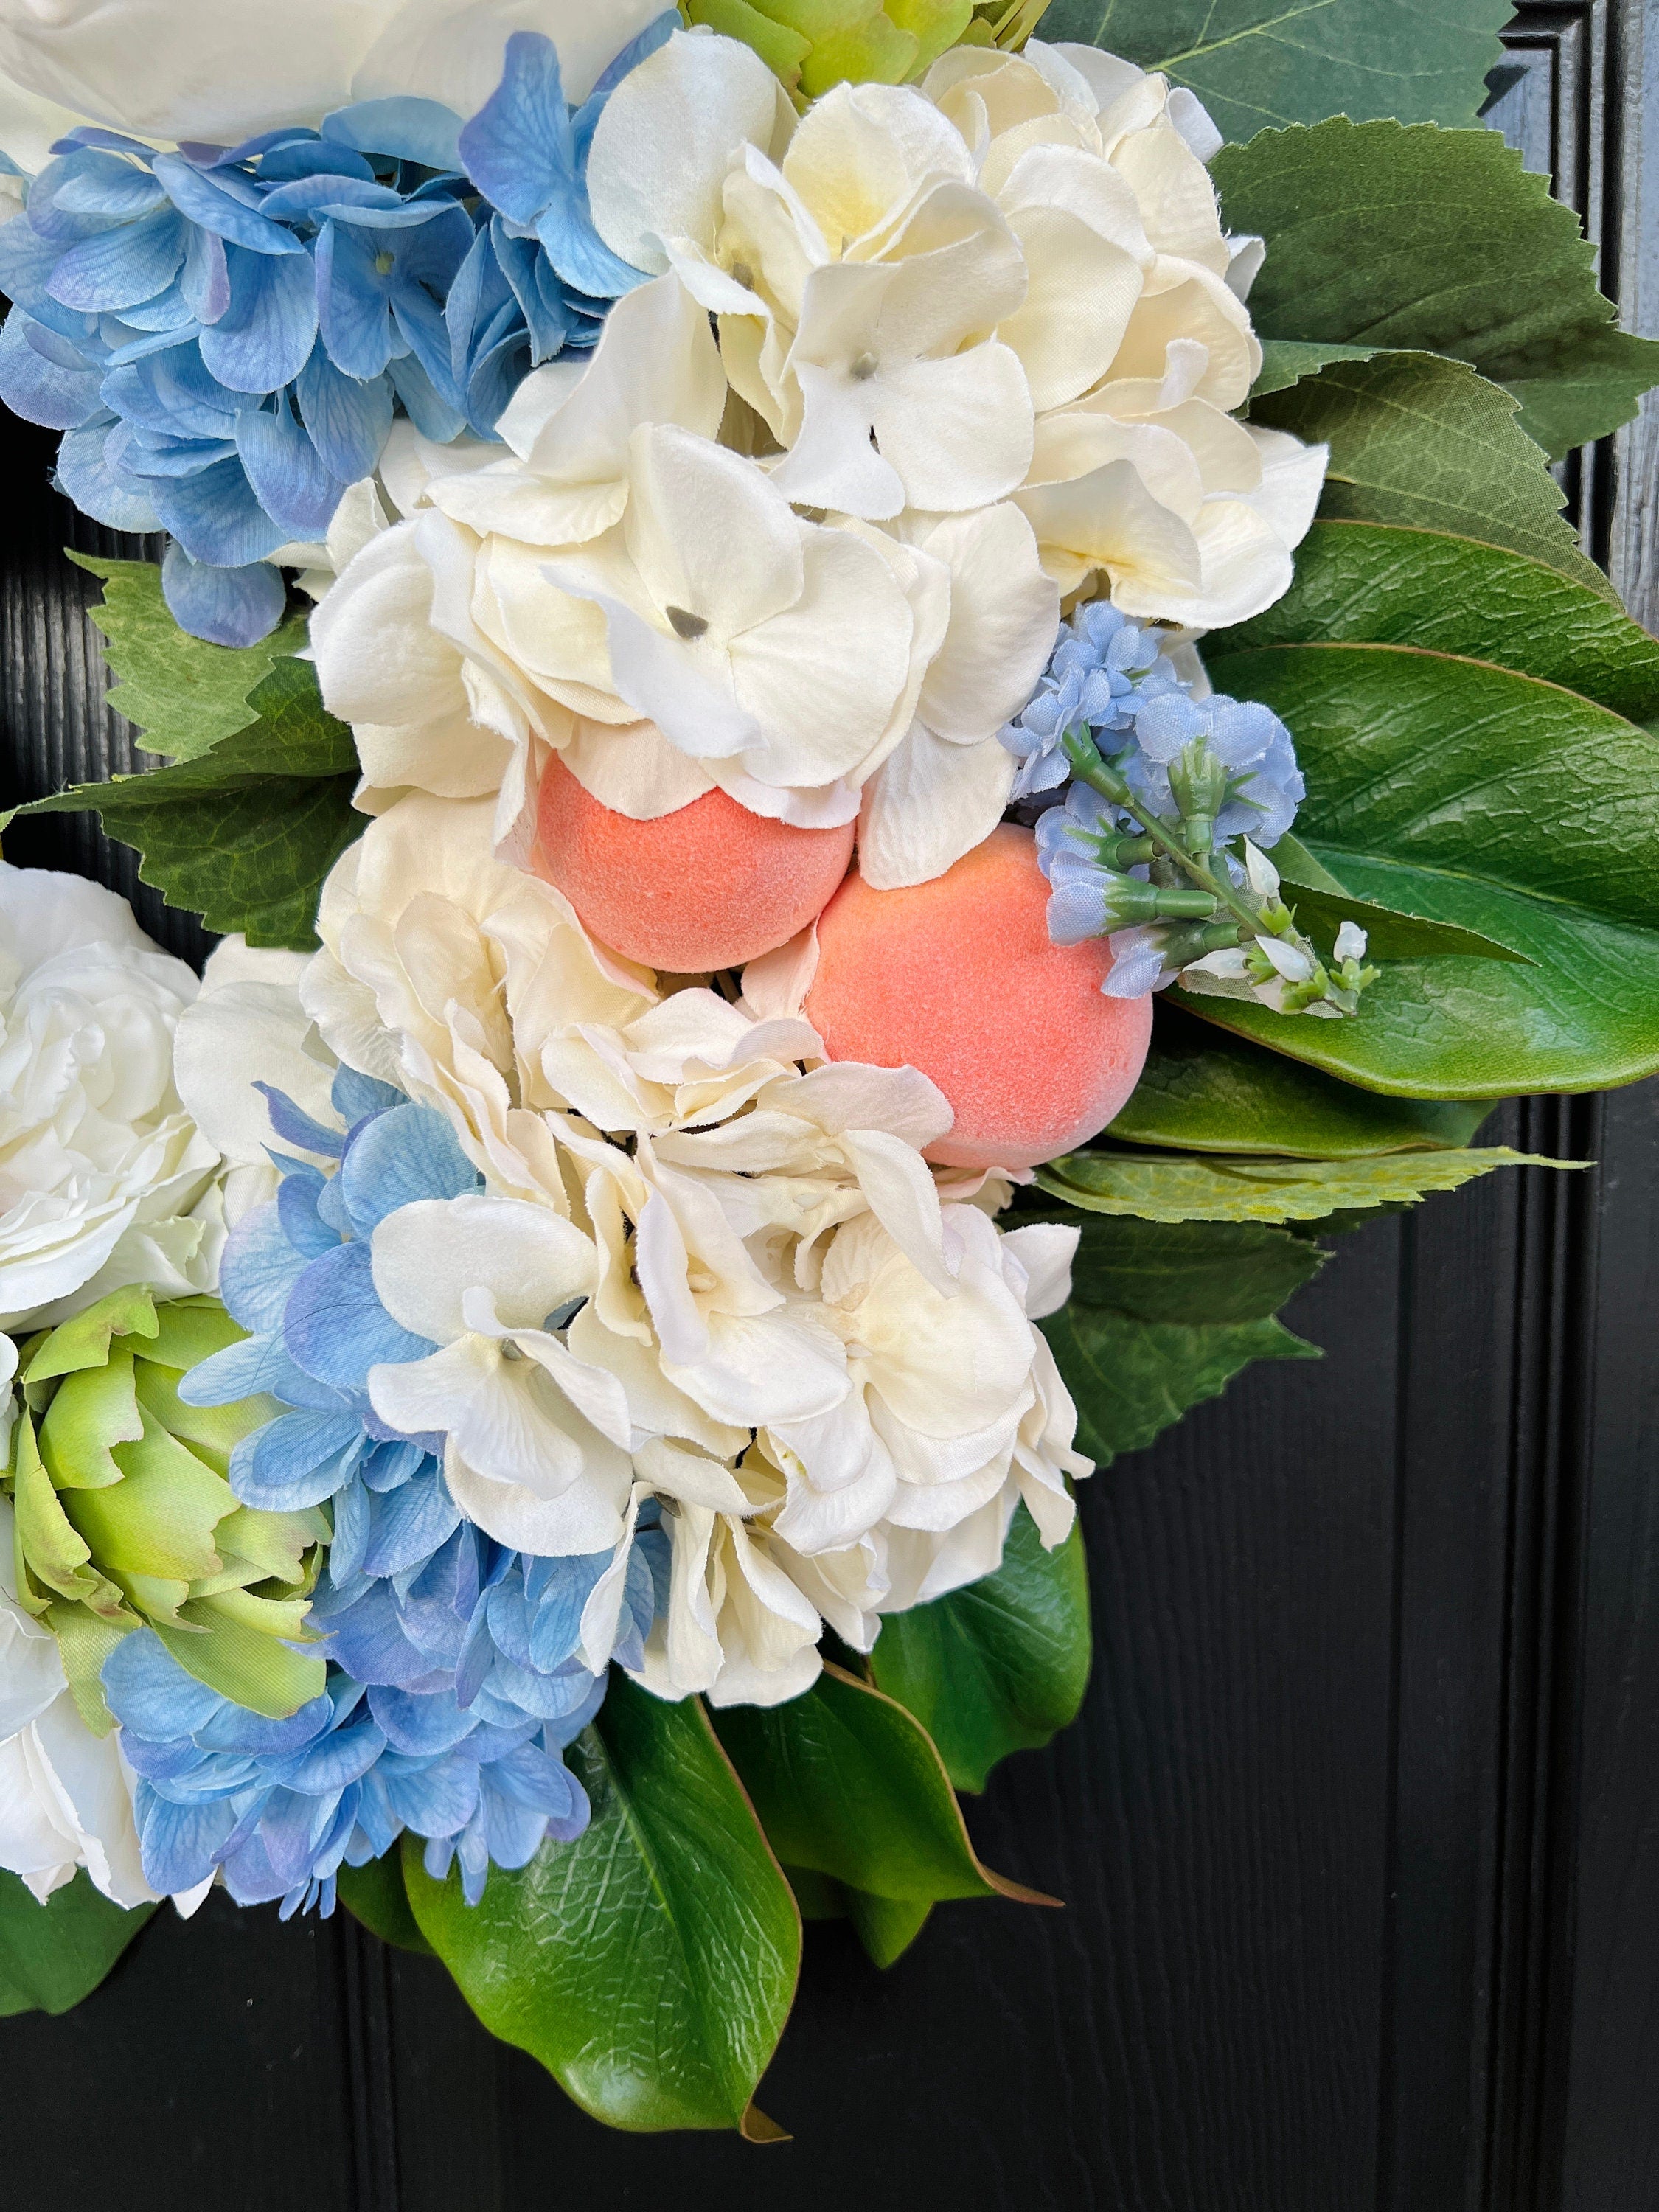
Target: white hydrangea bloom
{"type": "Point", "coordinates": [105, 1179]}
{"type": "Point", "coordinates": [707, 1269]}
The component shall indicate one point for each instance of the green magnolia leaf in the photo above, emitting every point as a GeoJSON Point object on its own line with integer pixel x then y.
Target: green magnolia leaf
{"type": "Point", "coordinates": [1442, 782]}
{"type": "Point", "coordinates": [1416, 439]}
{"type": "Point", "coordinates": [998, 1667]}
{"type": "Point", "coordinates": [1258, 62]}
{"type": "Point", "coordinates": [1169, 1187]}
{"type": "Point", "coordinates": [1366, 583]}
{"type": "Point", "coordinates": [1205, 1090]}
{"type": "Point", "coordinates": [375, 1895]}
{"type": "Point", "coordinates": [1390, 933]}
{"type": "Point", "coordinates": [51, 1955]}
{"type": "Point", "coordinates": [651, 1965]}
{"type": "Point", "coordinates": [848, 1783]}
{"type": "Point", "coordinates": [1435, 241]}
{"type": "Point", "coordinates": [886, 1926]}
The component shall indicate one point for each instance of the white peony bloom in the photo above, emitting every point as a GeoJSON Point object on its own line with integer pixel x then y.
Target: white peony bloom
{"type": "Point", "coordinates": [223, 69]}
{"type": "Point", "coordinates": [65, 1794]}
{"type": "Point", "coordinates": [105, 1179]}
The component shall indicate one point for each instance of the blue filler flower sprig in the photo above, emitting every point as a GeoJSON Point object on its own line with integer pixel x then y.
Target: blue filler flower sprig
{"type": "Point", "coordinates": [1157, 808]}
{"type": "Point", "coordinates": [225, 334]}
{"type": "Point", "coordinates": [456, 1675]}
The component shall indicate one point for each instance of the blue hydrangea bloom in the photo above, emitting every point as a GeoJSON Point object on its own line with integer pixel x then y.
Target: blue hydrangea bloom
{"type": "Point", "coordinates": [224, 335]}
{"type": "Point", "coordinates": [456, 1667]}
{"type": "Point", "coordinates": [1110, 677]}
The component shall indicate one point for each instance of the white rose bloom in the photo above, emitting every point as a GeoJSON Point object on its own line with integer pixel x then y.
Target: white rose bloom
{"type": "Point", "coordinates": [105, 1179]}
{"type": "Point", "coordinates": [224, 70]}
{"type": "Point", "coordinates": [65, 1794]}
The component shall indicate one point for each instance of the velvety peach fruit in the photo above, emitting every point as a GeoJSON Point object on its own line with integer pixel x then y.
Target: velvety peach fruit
{"type": "Point", "coordinates": [958, 978]}
{"type": "Point", "coordinates": [710, 886]}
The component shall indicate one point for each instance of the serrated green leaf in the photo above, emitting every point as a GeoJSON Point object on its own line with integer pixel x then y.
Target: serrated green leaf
{"type": "Point", "coordinates": [1203, 1090]}
{"type": "Point", "coordinates": [1130, 1380]}
{"type": "Point", "coordinates": [54, 1954]}
{"type": "Point", "coordinates": [1000, 1666]}
{"type": "Point", "coordinates": [1490, 799]}
{"type": "Point", "coordinates": [651, 1965]}
{"type": "Point", "coordinates": [1415, 439]}
{"type": "Point", "coordinates": [243, 828]}
{"type": "Point", "coordinates": [1285, 362]}
{"type": "Point", "coordinates": [1442, 242]}
{"type": "Point", "coordinates": [1360, 583]}
{"type": "Point", "coordinates": [1258, 62]}
{"type": "Point", "coordinates": [1170, 1188]}
{"type": "Point", "coordinates": [1205, 1272]}
{"type": "Point", "coordinates": [184, 695]}
{"type": "Point", "coordinates": [375, 1895]}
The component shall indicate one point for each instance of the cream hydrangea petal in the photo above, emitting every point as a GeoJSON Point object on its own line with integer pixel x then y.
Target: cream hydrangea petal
{"type": "Point", "coordinates": [430, 1255]}
{"type": "Point", "coordinates": [536, 1515]}
{"type": "Point", "coordinates": [862, 151]}
{"type": "Point", "coordinates": [668, 135]}
{"type": "Point", "coordinates": [930, 804]}
{"type": "Point", "coordinates": [1045, 1251]}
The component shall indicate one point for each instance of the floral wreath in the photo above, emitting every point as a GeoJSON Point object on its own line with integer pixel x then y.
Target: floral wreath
{"type": "Point", "coordinates": [873, 706]}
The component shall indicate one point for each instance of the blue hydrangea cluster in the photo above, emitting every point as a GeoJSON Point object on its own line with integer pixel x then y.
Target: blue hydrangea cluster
{"type": "Point", "coordinates": [1111, 679]}
{"type": "Point", "coordinates": [455, 1674]}
{"type": "Point", "coordinates": [224, 335]}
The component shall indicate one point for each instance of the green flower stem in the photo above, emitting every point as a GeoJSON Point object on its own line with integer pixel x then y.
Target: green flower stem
{"type": "Point", "coordinates": [1089, 768]}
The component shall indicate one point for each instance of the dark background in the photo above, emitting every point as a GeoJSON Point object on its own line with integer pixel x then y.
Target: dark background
{"type": "Point", "coordinates": [1359, 1830]}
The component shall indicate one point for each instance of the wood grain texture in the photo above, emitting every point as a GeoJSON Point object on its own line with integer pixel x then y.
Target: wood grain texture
{"type": "Point", "coordinates": [1358, 1831]}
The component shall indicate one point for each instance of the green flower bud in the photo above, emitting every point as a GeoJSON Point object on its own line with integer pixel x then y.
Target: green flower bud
{"type": "Point", "coordinates": [812, 45]}
{"type": "Point", "coordinates": [125, 1518]}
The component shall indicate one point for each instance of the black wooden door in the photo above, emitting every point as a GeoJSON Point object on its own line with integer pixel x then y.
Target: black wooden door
{"type": "Point", "coordinates": [1359, 1830]}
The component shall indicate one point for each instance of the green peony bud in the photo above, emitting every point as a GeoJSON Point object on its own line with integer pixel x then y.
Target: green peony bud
{"type": "Point", "coordinates": [812, 44]}
{"type": "Point", "coordinates": [125, 1517]}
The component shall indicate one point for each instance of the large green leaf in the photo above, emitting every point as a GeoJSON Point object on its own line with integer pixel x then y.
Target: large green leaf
{"type": "Point", "coordinates": [848, 1784]}
{"type": "Point", "coordinates": [184, 695]}
{"type": "Point", "coordinates": [1130, 1380]}
{"type": "Point", "coordinates": [245, 829]}
{"type": "Point", "coordinates": [1168, 1187]}
{"type": "Point", "coordinates": [1440, 781]}
{"type": "Point", "coordinates": [651, 1965]}
{"type": "Point", "coordinates": [1203, 1090]}
{"type": "Point", "coordinates": [1258, 62]}
{"type": "Point", "coordinates": [375, 1895]}
{"type": "Point", "coordinates": [1164, 1316]}
{"type": "Point", "coordinates": [1000, 1666]}
{"type": "Point", "coordinates": [1437, 241]}
{"type": "Point", "coordinates": [53, 1955]}
{"type": "Point", "coordinates": [1416, 439]}
{"type": "Point", "coordinates": [1363, 583]}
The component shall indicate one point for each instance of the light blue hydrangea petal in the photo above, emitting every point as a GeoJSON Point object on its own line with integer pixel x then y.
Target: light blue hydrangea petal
{"type": "Point", "coordinates": [120, 268]}
{"type": "Point", "coordinates": [348, 420]}
{"type": "Point", "coordinates": [215, 515]}
{"type": "Point", "coordinates": [419, 1727]}
{"type": "Point", "coordinates": [101, 185]}
{"type": "Point", "coordinates": [512, 1833]}
{"type": "Point", "coordinates": [435, 417]}
{"type": "Point", "coordinates": [287, 472]}
{"type": "Point", "coordinates": [295, 1461]}
{"type": "Point", "coordinates": [265, 337]}
{"type": "Point", "coordinates": [258, 1363]}
{"type": "Point", "coordinates": [234, 1729]}
{"type": "Point", "coordinates": [335, 1326]}
{"type": "Point", "coordinates": [354, 1095]}
{"type": "Point", "coordinates": [41, 388]}
{"type": "Point", "coordinates": [178, 1844]}
{"type": "Point", "coordinates": [581, 256]}
{"type": "Point", "coordinates": [343, 1757]}
{"type": "Point", "coordinates": [258, 1270]}
{"type": "Point", "coordinates": [433, 1796]}
{"type": "Point", "coordinates": [405, 1154]}
{"type": "Point", "coordinates": [412, 130]}
{"type": "Point", "coordinates": [232, 607]}
{"type": "Point", "coordinates": [313, 157]}
{"type": "Point", "coordinates": [83, 475]}
{"type": "Point", "coordinates": [297, 1200]}
{"type": "Point", "coordinates": [204, 280]}
{"type": "Point", "coordinates": [367, 1640]}
{"type": "Point", "coordinates": [409, 1525]}
{"type": "Point", "coordinates": [518, 148]}
{"type": "Point", "coordinates": [170, 390]}
{"type": "Point", "coordinates": [149, 1692]}
{"type": "Point", "coordinates": [209, 204]}
{"type": "Point", "coordinates": [353, 299]}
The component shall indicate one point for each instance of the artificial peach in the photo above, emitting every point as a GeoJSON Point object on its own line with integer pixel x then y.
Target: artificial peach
{"type": "Point", "coordinates": [958, 978]}
{"type": "Point", "coordinates": [708, 886]}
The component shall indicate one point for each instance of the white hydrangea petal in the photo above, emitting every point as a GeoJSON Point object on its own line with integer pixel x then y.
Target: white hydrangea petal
{"type": "Point", "coordinates": [429, 1254]}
